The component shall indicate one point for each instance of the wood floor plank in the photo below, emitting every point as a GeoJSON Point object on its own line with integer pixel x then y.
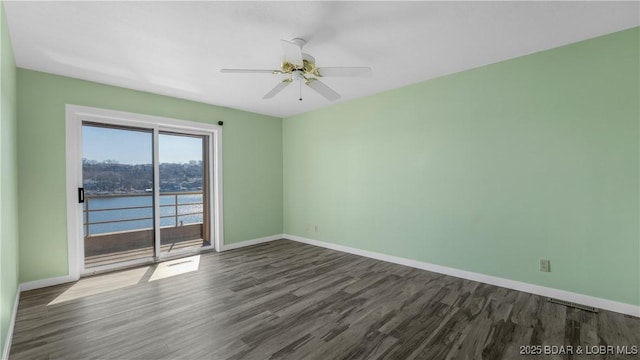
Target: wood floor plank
{"type": "Point", "coordinates": [286, 300]}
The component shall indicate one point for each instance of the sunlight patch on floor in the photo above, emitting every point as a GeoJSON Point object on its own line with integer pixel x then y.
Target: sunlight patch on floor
{"type": "Point", "coordinates": [100, 284]}
{"type": "Point", "coordinates": [176, 267]}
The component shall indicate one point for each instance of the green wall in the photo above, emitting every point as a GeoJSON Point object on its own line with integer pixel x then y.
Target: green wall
{"type": "Point", "coordinates": [487, 170]}
{"type": "Point", "coordinates": [8, 181]}
{"type": "Point", "coordinates": [252, 163]}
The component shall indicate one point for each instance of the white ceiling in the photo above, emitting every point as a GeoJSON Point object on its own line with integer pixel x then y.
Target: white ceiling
{"type": "Point", "coordinates": [178, 48]}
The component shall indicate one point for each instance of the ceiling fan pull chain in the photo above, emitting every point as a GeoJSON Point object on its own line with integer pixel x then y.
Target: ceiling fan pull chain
{"type": "Point", "coordinates": [300, 81]}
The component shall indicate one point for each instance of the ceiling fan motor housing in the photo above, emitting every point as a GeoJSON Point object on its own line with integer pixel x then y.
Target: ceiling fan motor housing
{"type": "Point", "coordinates": [308, 66]}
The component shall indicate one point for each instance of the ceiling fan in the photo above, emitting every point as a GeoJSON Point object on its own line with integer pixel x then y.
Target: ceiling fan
{"type": "Point", "coordinates": [301, 67]}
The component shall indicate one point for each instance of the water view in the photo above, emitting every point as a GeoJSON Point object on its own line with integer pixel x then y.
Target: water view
{"type": "Point", "coordinates": [134, 212]}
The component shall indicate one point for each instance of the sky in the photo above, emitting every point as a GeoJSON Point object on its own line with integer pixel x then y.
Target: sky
{"type": "Point", "coordinates": [135, 147]}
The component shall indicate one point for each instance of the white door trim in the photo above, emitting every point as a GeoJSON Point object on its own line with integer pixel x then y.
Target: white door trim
{"type": "Point", "coordinates": [75, 115]}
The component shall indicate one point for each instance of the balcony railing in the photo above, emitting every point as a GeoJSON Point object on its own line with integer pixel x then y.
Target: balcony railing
{"type": "Point", "coordinates": [137, 213]}
{"type": "Point", "coordinates": [123, 223]}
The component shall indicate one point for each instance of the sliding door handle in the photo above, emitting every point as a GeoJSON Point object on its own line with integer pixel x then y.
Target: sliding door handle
{"type": "Point", "coordinates": [80, 195]}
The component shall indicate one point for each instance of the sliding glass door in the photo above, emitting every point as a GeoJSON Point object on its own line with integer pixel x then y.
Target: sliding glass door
{"type": "Point", "coordinates": [184, 200]}
{"type": "Point", "coordinates": [117, 177]}
{"type": "Point", "coordinates": [146, 194]}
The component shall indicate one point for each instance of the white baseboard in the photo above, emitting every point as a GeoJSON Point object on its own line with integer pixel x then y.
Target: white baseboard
{"type": "Point", "coordinates": [37, 284]}
{"type": "Point", "coordinates": [487, 279]}
{"type": "Point", "coordinates": [600, 303]}
{"type": "Point", "coordinates": [261, 240]}
{"type": "Point", "coordinates": [12, 322]}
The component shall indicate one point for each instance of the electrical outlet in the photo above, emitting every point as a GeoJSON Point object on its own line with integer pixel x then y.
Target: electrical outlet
{"type": "Point", "coordinates": [315, 228]}
{"type": "Point", "coordinates": [545, 265]}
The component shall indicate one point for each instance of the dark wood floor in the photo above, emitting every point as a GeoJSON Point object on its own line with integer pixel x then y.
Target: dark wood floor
{"type": "Point", "coordinates": [285, 300]}
{"type": "Point", "coordinates": [135, 254]}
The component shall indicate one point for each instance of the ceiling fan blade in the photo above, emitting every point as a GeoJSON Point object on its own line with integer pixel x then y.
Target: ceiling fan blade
{"type": "Point", "coordinates": [250, 71]}
{"type": "Point", "coordinates": [277, 89]}
{"type": "Point", "coordinates": [345, 71]}
{"type": "Point", "coordinates": [292, 52]}
{"type": "Point", "coordinates": [322, 89]}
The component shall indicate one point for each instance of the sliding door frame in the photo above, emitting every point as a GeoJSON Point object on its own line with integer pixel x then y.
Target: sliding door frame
{"type": "Point", "coordinates": [208, 174]}
{"type": "Point", "coordinates": [75, 115]}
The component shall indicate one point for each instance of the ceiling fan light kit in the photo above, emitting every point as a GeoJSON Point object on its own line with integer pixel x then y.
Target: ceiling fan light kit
{"type": "Point", "coordinates": [302, 67]}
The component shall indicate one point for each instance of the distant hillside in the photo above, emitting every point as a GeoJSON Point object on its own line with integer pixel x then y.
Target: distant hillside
{"type": "Point", "coordinates": [110, 177]}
